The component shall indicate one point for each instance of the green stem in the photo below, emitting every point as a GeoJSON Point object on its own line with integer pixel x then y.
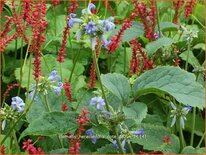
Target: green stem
{"type": "Point", "coordinates": [130, 147]}
{"type": "Point", "coordinates": [16, 142]}
{"type": "Point", "coordinates": [80, 100]}
{"type": "Point", "coordinates": [202, 138]}
{"type": "Point", "coordinates": [198, 21]}
{"type": "Point", "coordinates": [188, 50]}
{"type": "Point", "coordinates": [99, 78]}
{"type": "Point", "coordinates": [74, 65]}
{"type": "Point", "coordinates": [181, 135]}
{"type": "Point", "coordinates": [118, 140]}
{"type": "Point", "coordinates": [193, 126]}
{"type": "Point", "coordinates": [47, 103]}
{"type": "Point", "coordinates": [28, 83]}
{"type": "Point", "coordinates": [125, 52]}
{"type": "Point", "coordinates": [21, 69]}
{"type": "Point", "coordinates": [158, 21]}
{"type": "Point", "coordinates": [105, 11]}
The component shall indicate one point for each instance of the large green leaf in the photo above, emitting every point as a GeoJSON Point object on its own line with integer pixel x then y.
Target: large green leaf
{"type": "Point", "coordinates": [167, 26]}
{"type": "Point", "coordinates": [192, 150]}
{"type": "Point", "coordinates": [136, 111]}
{"type": "Point", "coordinates": [108, 149]}
{"type": "Point", "coordinates": [173, 80]}
{"type": "Point", "coordinates": [153, 139]}
{"type": "Point", "coordinates": [52, 123]}
{"type": "Point", "coordinates": [157, 44]}
{"type": "Point", "coordinates": [118, 85]}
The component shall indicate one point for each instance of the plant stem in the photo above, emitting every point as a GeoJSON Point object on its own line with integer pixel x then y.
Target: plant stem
{"type": "Point", "coordinates": [74, 65]}
{"type": "Point", "coordinates": [158, 21]}
{"type": "Point", "coordinates": [130, 147]}
{"type": "Point", "coordinates": [181, 135]}
{"type": "Point", "coordinates": [21, 69]}
{"type": "Point", "coordinates": [125, 52]}
{"type": "Point", "coordinates": [105, 11]}
{"type": "Point", "coordinates": [118, 140]}
{"type": "Point", "coordinates": [47, 103]}
{"type": "Point", "coordinates": [188, 50]}
{"type": "Point", "coordinates": [28, 82]}
{"type": "Point", "coordinates": [202, 138]}
{"type": "Point", "coordinates": [99, 78]}
{"type": "Point", "coordinates": [15, 141]}
{"type": "Point", "coordinates": [193, 126]}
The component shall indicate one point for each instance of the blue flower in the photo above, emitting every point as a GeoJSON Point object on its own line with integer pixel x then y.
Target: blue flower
{"type": "Point", "coordinates": [58, 88]}
{"type": "Point", "coordinates": [107, 24]}
{"type": "Point", "coordinates": [90, 7]}
{"type": "Point", "coordinates": [116, 145]}
{"type": "Point", "coordinates": [54, 76]}
{"type": "Point", "coordinates": [187, 108]}
{"type": "Point", "coordinates": [91, 28]}
{"type": "Point", "coordinates": [17, 103]}
{"type": "Point", "coordinates": [73, 20]}
{"type": "Point", "coordinates": [106, 43]}
{"type": "Point", "coordinates": [93, 42]}
{"type": "Point", "coordinates": [139, 132]}
{"type": "Point", "coordinates": [91, 134]}
{"type": "Point", "coordinates": [99, 101]}
{"type": "Point", "coordinates": [31, 94]}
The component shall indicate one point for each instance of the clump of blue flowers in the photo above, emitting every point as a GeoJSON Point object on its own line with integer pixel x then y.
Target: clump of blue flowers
{"type": "Point", "coordinates": [90, 25]}
{"type": "Point", "coordinates": [179, 113]}
{"type": "Point", "coordinates": [90, 133]}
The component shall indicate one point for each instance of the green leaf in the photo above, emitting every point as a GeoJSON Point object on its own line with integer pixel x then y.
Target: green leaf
{"type": "Point", "coordinates": [192, 150]}
{"type": "Point", "coordinates": [167, 26]}
{"type": "Point", "coordinates": [59, 151]}
{"type": "Point", "coordinates": [135, 31]}
{"type": "Point", "coordinates": [192, 59]}
{"type": "Point", "coordinates": [52, 123]}
{"type": "Point", "coordinates": [157, 44]}
{"type": "Point", "coordinates": [107, 149]}
{"type": "Point", "coordinates": [174, 81]}
{"type": "Point", "coordinates": [118, 85]}
{"type": "Point", "coordinates": [101, 131]}
{"type": "Point", "coordinates": [136, 111]}
{"type": "Point", "coordinates": [153, 139]}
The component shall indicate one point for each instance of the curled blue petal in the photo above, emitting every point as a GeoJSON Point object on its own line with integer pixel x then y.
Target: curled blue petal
{"type": "Point", "coordinates": [108, 24]}
{"type": "Point", "coordinates": [90, 7]}
{"type": "Point", "coordinates": [58, 88]}
{"type": "Point", "coordinates": [106, 43]}
{"type": "Point", "coordinates": [188, 108]}
{"type": "Point", "coordinates": [122, 144]}
{"type": "Point", "coordinates": [31, 95]}
{"type": "Point", "coordinates": [73, 20]}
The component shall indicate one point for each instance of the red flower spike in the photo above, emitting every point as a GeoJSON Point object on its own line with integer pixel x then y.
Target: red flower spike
{"type": "Point", "coordinates": [166, 139]}
{"type": "Point", "coordinates": [55, 2]}
{"type": "Point", "coordinates": [61, 53]}
{"type": "Point", "coordinates": [2, 149]}
{"type": "Point", "coordinates": [73, 6]}
{"type": "Point", "coordinates": [67, 89]}
{"type": "Point", "coordinates": [189, 8]}
{"type": "Point", "coordinates": [177, 6]}
{"type": "Point", "coordinates": [9, 88]}
{"type": "Point", "coordinates": [30, 148]}
{"type": "Point", "coordinates": [64, 107]}
{"type": "Point", "coordinates": [82, 120]}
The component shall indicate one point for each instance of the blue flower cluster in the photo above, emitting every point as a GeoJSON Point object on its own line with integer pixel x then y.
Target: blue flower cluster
{"type": "Point", "coordinates": [92, 26]}
{"type": "Point", "coordinates": [17, 104]}
{"type": "Point", "coordinates": [98, 101]}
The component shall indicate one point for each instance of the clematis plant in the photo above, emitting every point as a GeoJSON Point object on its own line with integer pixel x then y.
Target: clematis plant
{"type": "Point", "coordinates": [90, 25]}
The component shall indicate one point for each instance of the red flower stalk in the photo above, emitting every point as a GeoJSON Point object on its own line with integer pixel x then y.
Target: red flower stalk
{"type": "Point", "coordinates": [177, 6]}
{"type": "Point", "coordinates": [135, 61]}
{"type": "Point", "coordinates": [61, 53]}
{"type": "Point", "coordinates": [92, 81]}
{"type": "Point", "coordinates": [73, 6]}
{"type": "Point", "coordinates": [55, 2]}
{"type": "Point", "coordinates": [2, 149]}
{"type": "Point", "coordinates": [189, 8]}
{"type": "Point", "coordinates": [82, 120]}
{"type": "Point", "coordinates": [9, 88]}
{"type": "Point", "coordinates": [67, 89]}
{"type": "Point", "coordinates": [2, 2]}
{"type": "Point", "coordinates": [65, 107]}
{"type": "Point", "coordinates": [147, 16]}
{"type": "Point", "coordinates": [7, 27]}
{"type": "Point", "coordinates": [30, 148]}
{"type": "Point", "coordinates": [126, 25]}
{"type": "Point", "coordinates": [27, 5]}
{"type": "Point", "coordinates": [38, 24]}
{"type": "Point", "coordinates": [166, 139]}
{"type": "Point", "coordinates": [6, 41]}
{"type": "Point", "coordinates": [108, 6]}
{"type": "Point", "coordinates": [139, 57]}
